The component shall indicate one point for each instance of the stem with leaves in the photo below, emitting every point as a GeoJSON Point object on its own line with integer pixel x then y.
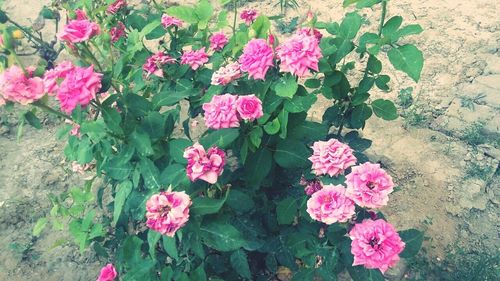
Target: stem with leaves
{"type": "Point", "coordinates": [382, 18]}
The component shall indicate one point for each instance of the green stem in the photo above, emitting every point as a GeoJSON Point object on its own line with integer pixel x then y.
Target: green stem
{"type": "Point", "coordinates": [49, 109]}
{"type": "Point", "coordinates": [91, 56]}
{"type": "Point", "coordinates": [382, 18]}
{"type": "Point", "coordinates": [235, 16]}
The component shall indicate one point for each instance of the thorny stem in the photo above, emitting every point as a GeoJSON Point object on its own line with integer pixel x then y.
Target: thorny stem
{"type": "Point", "coordinates": [382, 18]}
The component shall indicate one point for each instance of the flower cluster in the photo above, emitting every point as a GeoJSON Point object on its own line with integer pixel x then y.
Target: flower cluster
{"type": "Point", "coordinates": [167, 211]}
{"type": "Point", "coordinates": [331, 158]}
{"type": "Point", "coordinates": [369, 186]}
{"type": "Point", "coordinates": [77, 31]}
{"type": "Point", "coordinates": [218, 41]}
{"type": "Point", "coordinates": [16, 85]}
{"type": "Point", "coordinates": [154, 64]}
{"type": "Point", "coordinates": [226, 111]}
{"type": "Point", "coordinates": [226, 74]}
{"type": "Point", "coordinates": [195, 59]}
{"type": "Point", "coordinates": [168, 21]}
{"type": "Point", "coordinates": [330, 205]}
{"type": "Point", "coordinates": [299, 54]}
{"type": "Point", "coordinates": [116, 6]}
{"type": "Point", "coordinates": [248, 16]}
{"type": "Point", "coordinates": [207, 166]}
{"type": "Point", "coordinates": [108, 273]}
{"type": "Point", "coordinates": [257, 58]}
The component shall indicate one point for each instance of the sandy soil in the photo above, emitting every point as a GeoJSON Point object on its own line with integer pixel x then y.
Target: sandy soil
{"type": "Point", "coordinates": [432, 160]}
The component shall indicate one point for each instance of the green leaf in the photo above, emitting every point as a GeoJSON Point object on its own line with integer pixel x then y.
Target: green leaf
{"type": "Point", "coordinates": [350, 25]}
{"type": "Point", "coordinates": [286, 210]}
{"type": "Point", "coordinates": [359, 115]}
{"type": "Point", "coordinates": [308, 130]}
{"type": "Point", "coordinates": [258, 165]}
{"type": "Point", "coordinates": [142, 143]}
{"type": "Point", "coordinates": [170, 246]}
{"type": "Point", "coordinates": [385, 109]}
{"type": "Point", "coordinates": [240, 201]}
{"type": "Point", "coordinates": [221, 236]}
{"type": "Point", "coordinates": [328, 48]}
{"type": "Point", "coordinates": [286, 87]}
{"type": "Point", "coordinates": [391, 26]}
{"type": "Point", "coordinates": [150, 174]}
{"type": "Point", "coordinates": [176, 149]}
{"type": "Point", "coordinates": [184, 13]}
{"type": "Point", "coordinates": [112, 119]}
{"type": "Point", "coordinates": [408, 59]}
{"type": "Point", "coordinates": [204, 11]}
{"type": "Point", "coordinates": [261, 26]}
{"type": "Point", "coordinates": [374, 65]}
{"type": "Point", "coordinates": [382, 81]}
{"type": "Point", "coordinates": [149, 28]}
{"type": "Point", "coordinates": [292, 154]}
{"type": "Point", "coordinates": [272, 127]}
{"type": "Point", "coordinates": [413, 240]}
{"type": "Point", "coordinates": [411, 29]}
{"type": "Point", "coordinates": [198, 274]}
{"type": "Point", "coordinates": [39, 226]}
{"type": "Point", "coordinates": [205, 206]}
{"type": "Point", "coordinates": [239, 262]}
{"type": "Point", "coordinates": [222, 138]}
{"type": "Point", "coordinates": [312, 83]}
{"type": "Point", "coordinates": [256, 136]}
{"type": "Point", "coordinates": [96, 130]}
{"type": "Point", "coordinates": [168, 97]}
{"type": "Point", "coordinates": [153, 238]}
{"type": "Point", "coordinates": [124, 189]}
{"type": "Point", "coordinates": [32, 120]}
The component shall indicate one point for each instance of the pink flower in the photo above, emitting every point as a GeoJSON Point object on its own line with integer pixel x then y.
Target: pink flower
{"type": "Point", "coordinates": [168, 21]}
{"type": "Point", "coordinates": [309, 31]}
{"type": "Point", "coordinates": [311, 186]}
{"type": "Point", "coordinates": [331, 157]}
{"type": "Point", "coordinates": [79, 87]}
{"type": "Point", "coordinates": [369, 186]}
{"type": "Point", "coordinates": [79, 168]}
{"type": "Point", "coordinates": [248, 16]}
{"type": "Point", "coordinates": [227, 74]}
{"type": "Point", "coordinates": [256, 59]}
{"type": "Point", "coordinates": [108, 273]}
{"type": "Point", "coordinates": [205, 166]}
{"type": "Point", "coordinates": [80, 14]}
{"type": "Point", "coordinates": [299, 54]}
{"type": "Point", "coordinates": [249, 107]}
{"type": "Point", "coordinates": [75, 131]}
{"type": "Point", "coordinates": [116, 6]}
{"type": "Point", "coordinates": [154, 64]}
{"type": "Point", "coordinates": [117, 32]}
{"type": "Point", "coordinates": [53, 77]}
{"type": "Point", "coordinates": [330, 205]}
{"type": "Point", "coordinates": [218, 41]}
{"type": "Point", "coordinates": [77, 31]}
{"type": "Point", "coordinates": [168, 211]}
{"type": "Point", "coordinates": [195, 59]}
{"type": "Point", "coordinates": [375, 244]}
{"type": "Point", "coordinates": [21, 87]}
{"type": "Point", "coordinates": [221, 112]}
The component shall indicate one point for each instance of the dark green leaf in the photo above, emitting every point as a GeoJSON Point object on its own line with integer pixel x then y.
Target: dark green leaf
{"type": "Point", "coordinates": [240, 201]}
{"type": "Point", "coordinates": [153, 238]}
{"type": "Point", "coordinates": [239, 262]}
{"type": "Point", "coordinates": [150, 174]}
{"type": "Point", "coordinates": [256, 136]}
{"type": "Point", "coordinates": [258, 165]}
{"type": "Point", "coordinates": [261, 26]}
{"type": "Point", "coordinates": [124, 189]}
{"type": "Point", "coordinates": [142, 143]}
{"type": "Point", "coordinates": [392, 26]}
{"type": "Point", "coordinates": [292, 154]}
{"type": "Point", "coordinates": [286, 87]}
{"type": "Point", "coordinates": [112, 119]}
{"type": "Point", "coordinates": [272, 127]}
{"type": "Point", "coordinates": [312, 83]}
{"type": "Point", "coordinates": [205, 206]}
{"type": "Point", "coordinates": [382, 81]}
{"type": "Point", "coordinates": [221, 236]}
{"type": "Point", "coordinates": [176, 149]}
{"type": "Point", "coordinates": [413, 240]}
{"type": "Point", "coordinates": [359, 115]}
{"type": "Point", "coordinates": [170, 246]}
{"type": "Point", "coordinates": [385, 109]}
{"type": "Point", "coordinates": [222, 138]}
{"type": "Point", "coordinates": [350, 25]}
{"type": "Point", "coordinates": [32, 120]}
{"type": "Point", "coordinates": [286, 210]}
{"type": "Point", "coordinates": [374, 65]}
{"type": "Point", "coordinates": [408, 59]}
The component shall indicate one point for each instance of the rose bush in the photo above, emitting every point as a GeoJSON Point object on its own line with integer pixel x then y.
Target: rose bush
{"type": "Point", "coordinates": [264, 188]}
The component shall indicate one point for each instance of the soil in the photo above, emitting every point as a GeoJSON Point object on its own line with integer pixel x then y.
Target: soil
{"type": "Point", "coordinates": [443, 152]}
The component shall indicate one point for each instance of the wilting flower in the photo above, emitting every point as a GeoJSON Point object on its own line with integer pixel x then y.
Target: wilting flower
{"type": "Point", "coordinates": [80, 14]}
{"type": "Point", "coordinates": [167, 211]}
{"type": "Point", "coordinates": [218, 41]}
{"type": "Point", "coordinates": [375, 244]}
{"type": "Point", "coordinates": [75, 130]}
{"type": "Point", "coordinates": [79, 87]}
{"type": "Point", "coordinates": [249, 107]}
{"type": "Point", "coordinates": [221, 112]}
{"type": "Point", "coordinates": [330, 205]}
{"type": "Point", "coordinates": [108, 273]}
{"type": "Point", "coordinates": [168, 21]}
{"type": "Point", "coordinates": [195, 59]}
{"type": "Point", "coordinates": [256, 59]}
{"type": "Point", "coordinates": [310, 187]}
{"type": "Point", "coordinates": [369, 186]}
{"type": "Point", "coordinates": [21, 87]}
{"type": "Point", "coordinates": [309, 31]}
{"type": "Point", "coordinates": [77, 31]}
{"type": "Point", "coordinates": [207, 166]}
{"type": "Point", "coordinates": [226, 74]}
{"type": "Point", "coordinates": [299, 54]}
{"type": "Point", "coordinates": [116, 6]}
{"type": "Point", "coordinates": [331, 157]}
{"type": "Point", "coordinates": [117, 32]}
{"type": "Point", "coordinates": [154, 64]}
{"type": "Point", "coordinates": [248, 16]}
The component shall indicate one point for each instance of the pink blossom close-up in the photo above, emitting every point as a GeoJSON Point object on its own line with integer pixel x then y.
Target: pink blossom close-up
{"type": "Point", "coordinates": [168, 21]}
{"type": "Point", "coordinates": [226, 74]}
{"type": "Point", "coordinates": [108, 273]}
{"type": "Point", "coordinates": [221, 112]}
{"type": "Point", "coordinates": [168, 211]}
{"type": "Point", "coordinates": [249, 107]}
{"type": "Point", "coordinates": [53, 77]}
{"type": "Point", "coordinates": [80, 14]}
{"type": "Point", "coordinates": [330, 205]}
{"type": "Point", "coordinates": [375, 244]}
{"type": "Point", "coordinates": [299, 55]}
{"type": "Point", "coordinates": [117, 32]}
{"type": "Point", "coordinates": [195, 59]}
{"type": "Point", "coordinates": [248, 16]}
{"type": "Point", "coordinates": [218, 41]}
{"type": "Point", "coordinates": [155, 63]}
{"type": "Point", "coordinates": [256, 59]}
{"type": "Point", "coordinates": [114, 7]}
{"type": "Point", "coordinates": [331, 158]}
{"type": "Point", "coordinates": [207, 166]}
{"type": "Point", "coordinates": [77, 31]}
{"type": "Point", "coordinates": [79, 87]}
{"type": "Point", "coordinates": [18, 86]}
{"type": "Point", "coordinates": [369, 186]}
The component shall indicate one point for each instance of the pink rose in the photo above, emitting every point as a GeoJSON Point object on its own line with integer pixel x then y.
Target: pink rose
{"type": "Point", "coordinates": [21, 87]}
{"type": "Point", "coordinates": [117, 32]}
{"type": "Point", "coordinates": [256, 59]}
{"type": "Point", "coordinates": [221, 112]}
{"type": "Point", "coordinates": [155, 63]}
{"type": "Point", "coordinates": [116, 6]}
{"type": "Point", "coordinates": [80, 14]}
{"type": "Point", "coordinates": [108, 273]}
{"type": "Point", "coordinates": [375, 244]}
{"type": "Point", "coordinates": [369, 186]}
{"type": "Point", "coordinates": [299, 54]}
{"type": "Point", "coordinates": [79, 87]}
{"type": "Point", "coordinates": [195, 59]}
{"type": "Point", "coordinates": [227, 74]}
{"type": "Point", "coordinates": [218, 41]}
{"type": "Point", "coordinates": [249, 107]}
{"type": "Point", "coordinates": [205, 166]}
{"type": "Point", "coordinates": [77, 31]}
{"type": "Point", "coordinates": [168, 21]}
{"type": "Point", "coordinates": [53, 77]}
{"type": "Point", "coordinates": [330, 205]}
{"type": "Point", "coordinates": [248, 16]}
{"type": "Point", "coordinates": [331, 158]}
{"type": "Point", "coordinates": [168, 211]}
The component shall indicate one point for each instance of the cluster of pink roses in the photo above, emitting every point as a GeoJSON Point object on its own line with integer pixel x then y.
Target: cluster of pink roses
{"type": "Point", "coordinates": [207, 166]}
{"type": "Point", "coordinates": [167, 211]}
{"type": "Point", "coordinates": [226, 111]}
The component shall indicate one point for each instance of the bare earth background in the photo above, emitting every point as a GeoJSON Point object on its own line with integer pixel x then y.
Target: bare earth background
{"type": "Point", "coordinates": [443, 152]}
